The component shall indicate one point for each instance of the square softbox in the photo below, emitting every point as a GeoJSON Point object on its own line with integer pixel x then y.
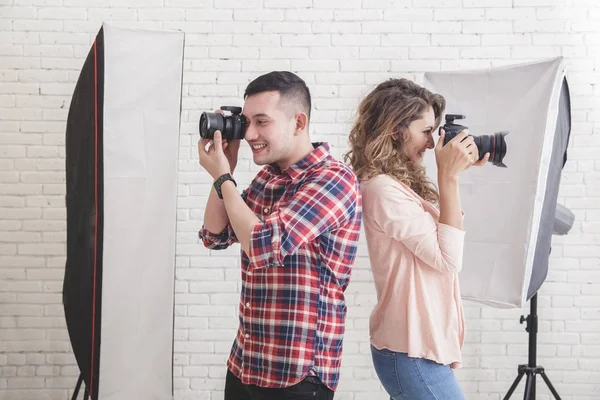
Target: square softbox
{"type": "Point", "coordinates": [122, 141]}
{"type": "Point", "coordinates": [509, 211]}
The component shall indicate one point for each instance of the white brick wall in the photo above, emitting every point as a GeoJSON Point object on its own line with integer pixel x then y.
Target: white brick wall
{"type": "Point", "coordinates": [341, 48]}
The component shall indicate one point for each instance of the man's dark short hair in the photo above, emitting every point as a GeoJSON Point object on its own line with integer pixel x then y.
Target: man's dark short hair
{"type": "Point", "coordinates": [289, 85]}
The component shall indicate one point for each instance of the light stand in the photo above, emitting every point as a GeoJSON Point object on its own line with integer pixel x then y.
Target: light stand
{"type": "Point", "coordinates": [531, 369]}
{"type": "Point", "coordinates": [562, 224]}
{"type": "Point", "coordinates": [86, 394]}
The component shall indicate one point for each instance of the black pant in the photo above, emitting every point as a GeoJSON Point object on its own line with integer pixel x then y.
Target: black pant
{"type": "Point", "coordinates": [310, 388]}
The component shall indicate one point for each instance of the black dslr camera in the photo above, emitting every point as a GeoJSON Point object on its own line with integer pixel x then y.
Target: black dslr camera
{"type": "Point", "coordinates": [493, 144]}
{"type": "Point", "coordinates": [232, 127]}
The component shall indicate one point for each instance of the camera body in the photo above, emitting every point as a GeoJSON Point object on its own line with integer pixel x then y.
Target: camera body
{"type": "Point", "coordinates": [451, 128]}
{"type": "Point", "coordinates": [493, 144]}
{"type": "Point", "coordinates": [232, 126]}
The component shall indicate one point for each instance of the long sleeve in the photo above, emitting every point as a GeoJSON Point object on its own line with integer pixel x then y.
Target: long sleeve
{"type": "Point", "coordinates": [399, 214]}
{"type": "Point", "coordinates": [327, 200]}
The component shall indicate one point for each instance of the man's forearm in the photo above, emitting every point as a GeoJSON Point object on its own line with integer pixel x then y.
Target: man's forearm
{"type": "Point", "coordinates": [241, 217]}
{"type": "Point", "coordinates": [215, 215]}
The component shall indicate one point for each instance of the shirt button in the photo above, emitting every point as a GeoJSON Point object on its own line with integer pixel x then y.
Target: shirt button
{"type": "Point", "coordinates": [247, 305]}
{"type": "Point", "coordinates": [247, 335]}
{"type": "Point", "coordinates": [265, 210]}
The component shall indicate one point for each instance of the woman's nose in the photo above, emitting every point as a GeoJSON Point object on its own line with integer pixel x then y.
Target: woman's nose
{"type": "Point", "coordinates": [430, 144]}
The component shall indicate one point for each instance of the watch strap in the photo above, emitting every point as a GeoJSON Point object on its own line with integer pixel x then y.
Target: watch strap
{"type": "Point", "coordinates": [219, 182]}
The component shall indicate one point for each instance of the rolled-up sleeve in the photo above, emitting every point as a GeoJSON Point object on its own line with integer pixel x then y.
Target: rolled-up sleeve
{"type": "Point", "coordinates": [327, 200]}
{"type": "Point", "coordinates": [218, 241]}
{"type": "Point", "coordinates": [223, 239]}
{"type": "Point", "coordinates": [402, 217]}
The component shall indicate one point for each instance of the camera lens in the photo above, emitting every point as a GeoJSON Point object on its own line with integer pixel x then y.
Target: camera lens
{"type": "Point", "coordinates": [209, 123]}
{"type": "Point", "coordinates": [203, 125]}
{"type": "Point", "coordinates": [493, 144]}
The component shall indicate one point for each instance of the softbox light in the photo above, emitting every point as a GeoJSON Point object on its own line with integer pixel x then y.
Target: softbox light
{"type": "Point", "coordinates": [509, 212]}
{"type": "Point", "coordinates": [122, 141]}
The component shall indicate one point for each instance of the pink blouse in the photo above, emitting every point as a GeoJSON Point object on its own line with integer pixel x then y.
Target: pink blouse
{"type": "Point", "coordinates": [415, 261]}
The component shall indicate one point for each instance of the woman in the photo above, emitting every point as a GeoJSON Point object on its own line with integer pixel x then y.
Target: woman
{"type": "Point", "coordinates": [415, 238]}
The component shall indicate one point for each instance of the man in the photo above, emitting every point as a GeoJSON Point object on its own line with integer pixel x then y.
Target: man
{"type": "Point", "coordinates": [298, 226]}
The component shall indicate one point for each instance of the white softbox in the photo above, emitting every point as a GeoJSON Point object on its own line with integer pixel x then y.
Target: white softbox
{"type": "Point", "coordinates": [122, 141]}
{"type": "Point", "coordinates": [509, 212]}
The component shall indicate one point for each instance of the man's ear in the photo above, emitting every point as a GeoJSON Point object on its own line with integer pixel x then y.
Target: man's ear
{"type": "Point", "coordinates": [301, 122]}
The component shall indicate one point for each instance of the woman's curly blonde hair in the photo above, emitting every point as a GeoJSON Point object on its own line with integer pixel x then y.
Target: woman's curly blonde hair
{"type": "Point", "coordinates": [387, 110]}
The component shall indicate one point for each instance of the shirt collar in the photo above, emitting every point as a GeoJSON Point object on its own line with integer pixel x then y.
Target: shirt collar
{"type": "Point", "coordinates": [319, 153]}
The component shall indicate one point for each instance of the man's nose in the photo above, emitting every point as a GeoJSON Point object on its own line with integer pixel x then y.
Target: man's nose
{"type": "Point", "coordinates": [250, 133]}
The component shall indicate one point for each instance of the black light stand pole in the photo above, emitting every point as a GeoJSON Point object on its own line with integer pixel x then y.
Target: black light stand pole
{"type": "Point", "coordinates": [531, 369]}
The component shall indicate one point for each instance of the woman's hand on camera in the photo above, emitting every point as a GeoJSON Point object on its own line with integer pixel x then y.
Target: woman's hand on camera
{"type": "Point", "coordinates": [481, 162]}
{"type": "Point", "coordinates": [457, 155]}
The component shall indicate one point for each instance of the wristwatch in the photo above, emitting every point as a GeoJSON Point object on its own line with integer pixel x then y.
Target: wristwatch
{"type": "Point", "coordinates": [220, 180]}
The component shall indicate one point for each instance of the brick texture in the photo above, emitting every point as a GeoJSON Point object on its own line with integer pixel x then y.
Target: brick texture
{"type": "Point", "coordinates": [341, 48]}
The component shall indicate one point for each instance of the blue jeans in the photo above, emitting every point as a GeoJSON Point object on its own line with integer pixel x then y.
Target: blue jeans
{"type": "Point", "coordinates": [406, 378]}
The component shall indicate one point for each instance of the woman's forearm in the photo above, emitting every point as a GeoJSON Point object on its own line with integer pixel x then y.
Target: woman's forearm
{"type": "Point", "coordinates": [450, 207]}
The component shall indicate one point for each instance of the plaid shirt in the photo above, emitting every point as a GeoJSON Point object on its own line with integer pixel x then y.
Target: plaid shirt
{"type": "Point", "coordinates": [292, 308]}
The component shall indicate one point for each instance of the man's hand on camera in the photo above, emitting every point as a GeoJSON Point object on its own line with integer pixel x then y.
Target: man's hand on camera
{"type": "Point", "coordinates": [220, 157]}
{"type": "Point", "coordinates": [230, 148]}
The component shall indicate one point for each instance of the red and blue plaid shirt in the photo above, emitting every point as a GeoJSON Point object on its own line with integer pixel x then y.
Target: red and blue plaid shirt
{"type": "Point", "coordinates": [292, 307]}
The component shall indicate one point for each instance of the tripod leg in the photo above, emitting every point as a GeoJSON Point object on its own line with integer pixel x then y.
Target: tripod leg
{"type": "Point", "coordinates": [554, 392]}
{"type": "Point", "coordinates": [77, 387]}
{"type": "Point", "coordinates": [514, 385]}
{"type": "Point", "coordinates": [527, 395]}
